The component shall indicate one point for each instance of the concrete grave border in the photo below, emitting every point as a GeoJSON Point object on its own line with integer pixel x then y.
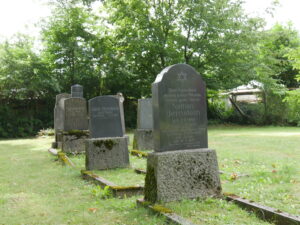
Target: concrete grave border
{"type": "Point", "coordinates": [117, 191]}
{"type": "Point", "coordinates": [265, 213]}
{"type": "Point", "coordinates": [170, 216]}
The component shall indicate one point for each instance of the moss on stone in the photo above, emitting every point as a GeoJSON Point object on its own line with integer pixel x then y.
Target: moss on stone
{"type": "Point", "coordinates": [161, 209]}
{"type": "Point", "coordinates": [139, 153]}
{"type": "Point", "coordinates": [77, 133]}
{"type": "Point", "coordinates": [150, 185]}
{"type": "Point", "coordinates": [119, 188]}
{"type": "Point", "coordinates": [108, 144]}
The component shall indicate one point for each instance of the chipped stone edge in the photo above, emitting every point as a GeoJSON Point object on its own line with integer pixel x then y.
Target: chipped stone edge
{"type": "Point", "coordinates": [117, 191]}
{"type": "Point", "coordinates": [170, 216]}
{"type": "Point", "coordinates": [52, 151]}
{"type": "Point", "coordinates": [140, 171]}
{"type": "Point", "coordinates": [266, 213]}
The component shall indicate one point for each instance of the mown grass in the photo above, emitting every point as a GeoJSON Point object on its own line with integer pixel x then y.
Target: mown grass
{"type": "Point", "coordinates": [34, 189]}
{"type": "Point", "coordinates": [269, 156]}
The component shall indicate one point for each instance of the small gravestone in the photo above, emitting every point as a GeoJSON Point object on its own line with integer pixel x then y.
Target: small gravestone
{"type": "Point", "coordinates": [77, 91]}
{"type": "Point", "coordinates": [107, 147]}
{"type": "Point", "coordinates": [58, 118]}
{"type": "Point", "coordinates": [182, 166]}
{"type": "Point", "coordinates": [106, 117]}
{"type": "Point", "coordinates": [143, 136]}
{"type": "Point", "coordinates": [75, 114]}
{"type": "Point", "coordinates": [75, 125]}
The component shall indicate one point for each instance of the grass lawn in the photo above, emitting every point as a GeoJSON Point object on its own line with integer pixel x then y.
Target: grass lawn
{"type": "Point", "coordinates": [261, 164]}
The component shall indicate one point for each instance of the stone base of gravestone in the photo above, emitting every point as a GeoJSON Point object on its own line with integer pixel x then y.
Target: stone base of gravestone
{"type": "Point", "coordinates": [106, 153]}
{"type": "Point", "coordinates": [74, 141]}
{"type": "Point", "coordinates": [143, 139]}
{"type": "Point", "coordinates": [182, 174]}
{"type": "Point", "coordinates": [58, 138]}
{"type": "Point", "coordinates": [54, 145]}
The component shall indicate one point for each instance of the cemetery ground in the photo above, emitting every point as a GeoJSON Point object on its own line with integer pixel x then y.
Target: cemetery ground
{"type": "Point", "coordinates": [258, 163]}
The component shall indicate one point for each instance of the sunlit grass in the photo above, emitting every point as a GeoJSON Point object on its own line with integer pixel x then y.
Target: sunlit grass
{"type": "Point", "coordinates": [34, 189]}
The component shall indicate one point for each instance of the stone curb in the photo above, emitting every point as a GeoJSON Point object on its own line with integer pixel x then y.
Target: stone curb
{"type": "Point", "coordinates": [264, 212]}
{"type": "Point", "coordinates": [117, 191]}
{"type": "Point", "coordinates": [62, 157]}
{"type": "Point", "coordinates": [139, 153]}
{"type": "Point", "coordinates": [170, 216]}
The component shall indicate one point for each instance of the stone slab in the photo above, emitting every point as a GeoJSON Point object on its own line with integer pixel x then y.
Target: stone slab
{"type": "Point", "coordinates": [74, 144]}
{"type": "Point", "coordinates": [106, 117]}
{"type": "Point", "coordinates": [177, 175]}
{"type": "Point", "coordinates": [143, 139]}
{"type": "Point", "coordinates": [76, 91]}
{"type": "Point", "coordinates": [75, 114]}
{"type": "Point", "coordinates": [106, 153]}
{"type": "Point", "coordinates": [58, 111]}
{"type": "Point", "coordinates": [179, 109]}
{"type": "Point", "coordinates": [144, 114]}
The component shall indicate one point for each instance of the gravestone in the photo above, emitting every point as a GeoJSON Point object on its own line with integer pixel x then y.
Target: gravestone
{"type": "Point", "coordinates": [75, 114]}
{"type": "Point", "coordinates": [143, 136]}
{"type": "Point", "coordinates": [77, 91]}
{"type": "Point", "coordinates": [58, 111]}
{"type": "Point", "coordinates": [75, 125]}
{"type": "Point", "coordinates": [107, 147]}
{"type": "Point", "coordinates": [58, 119]}
{"type": "Point", "coordinates": [182, 166]}
{"type": "Point", "coordinates": [106, 116]}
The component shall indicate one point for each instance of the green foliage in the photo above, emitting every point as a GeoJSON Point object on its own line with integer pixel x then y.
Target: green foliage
{"type": "Point", "coordinates": [293, 102]}
{"type": "Point", "coordinates": [275, 46]}
{"type": "Point", "coordinates": [46, 132]}
{"type": "Point", "coordinates": [151, 35]}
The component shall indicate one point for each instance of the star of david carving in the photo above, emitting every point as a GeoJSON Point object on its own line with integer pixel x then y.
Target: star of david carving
{"type": "Point", "coordinates": [182, 76]}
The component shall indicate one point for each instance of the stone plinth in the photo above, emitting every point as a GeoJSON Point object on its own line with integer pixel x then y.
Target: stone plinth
{"type": "Point", "coordinates": [73, 141]}
{"type": "Point", "coordinates": [176, 175]}
{"type": "Point", "coordinates": [143, 139]}
{"type": "Point", "coordinates": [106, 153]}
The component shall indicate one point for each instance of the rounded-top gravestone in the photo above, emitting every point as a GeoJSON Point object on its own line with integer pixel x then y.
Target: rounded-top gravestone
{"type": "Point", "coordinates": [106, 117]}
{"type": "Point", "coordinates": [179, 109]}
{"type": "Point", "coordinates": [77, 91]}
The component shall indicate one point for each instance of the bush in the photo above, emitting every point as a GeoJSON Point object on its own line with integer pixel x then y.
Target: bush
{"type": "Point", "coordinates": [292, 100]}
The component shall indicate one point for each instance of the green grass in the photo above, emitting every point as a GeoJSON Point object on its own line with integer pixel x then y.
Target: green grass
{"type": "Point", "coordinates": [271, 158]}
{"type": "Point", "coordinates": [37, 190]}
{"type": "Point", "coordinates": [213, 212]}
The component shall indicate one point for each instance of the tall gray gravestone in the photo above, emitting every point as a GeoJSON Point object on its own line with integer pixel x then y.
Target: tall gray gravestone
{"type": "Point", "coordinates": [143, 136]}
{"type": "Point", "coordinates": [75, 114]}
{"type": "Point", "coordinates": [74, 124]}
{"type": "Point", "coordinates": [77, 91]}
{"type": "Point", "coordinates": [182, 166]}
{"type": "Point", "coordinates": [107, 147]}
{"type": "Point", "coordinates": [107, 117]}
{"type": "Point", "coordinates": [58, 118]}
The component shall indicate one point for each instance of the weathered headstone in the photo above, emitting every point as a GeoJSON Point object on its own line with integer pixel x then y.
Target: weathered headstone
{"type": "Point", "coordinates": [106, 117]}
{"type": "Point", "coordinates": [143, 136]}
{"type": "Point", "coordinates": [58, 119]}
{"type": "Point", "coordinates": [58, 111]}
{"type": "Point", "coordinates": [107, 148]}
{"type": "Point", "coordinates": [182, 166]}
{"type": "Point", "coordinates": [77, 91]}
{"type": "Point", "coordinates": [144, 114]}
{"type": "Point", "coordinates": [75, 114]}
{"type": "Point", "coordinates": [75, 125]}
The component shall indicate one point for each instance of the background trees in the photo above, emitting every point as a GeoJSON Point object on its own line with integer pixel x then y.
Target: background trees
{"type": "Point", "coordinates": [120, 46]}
